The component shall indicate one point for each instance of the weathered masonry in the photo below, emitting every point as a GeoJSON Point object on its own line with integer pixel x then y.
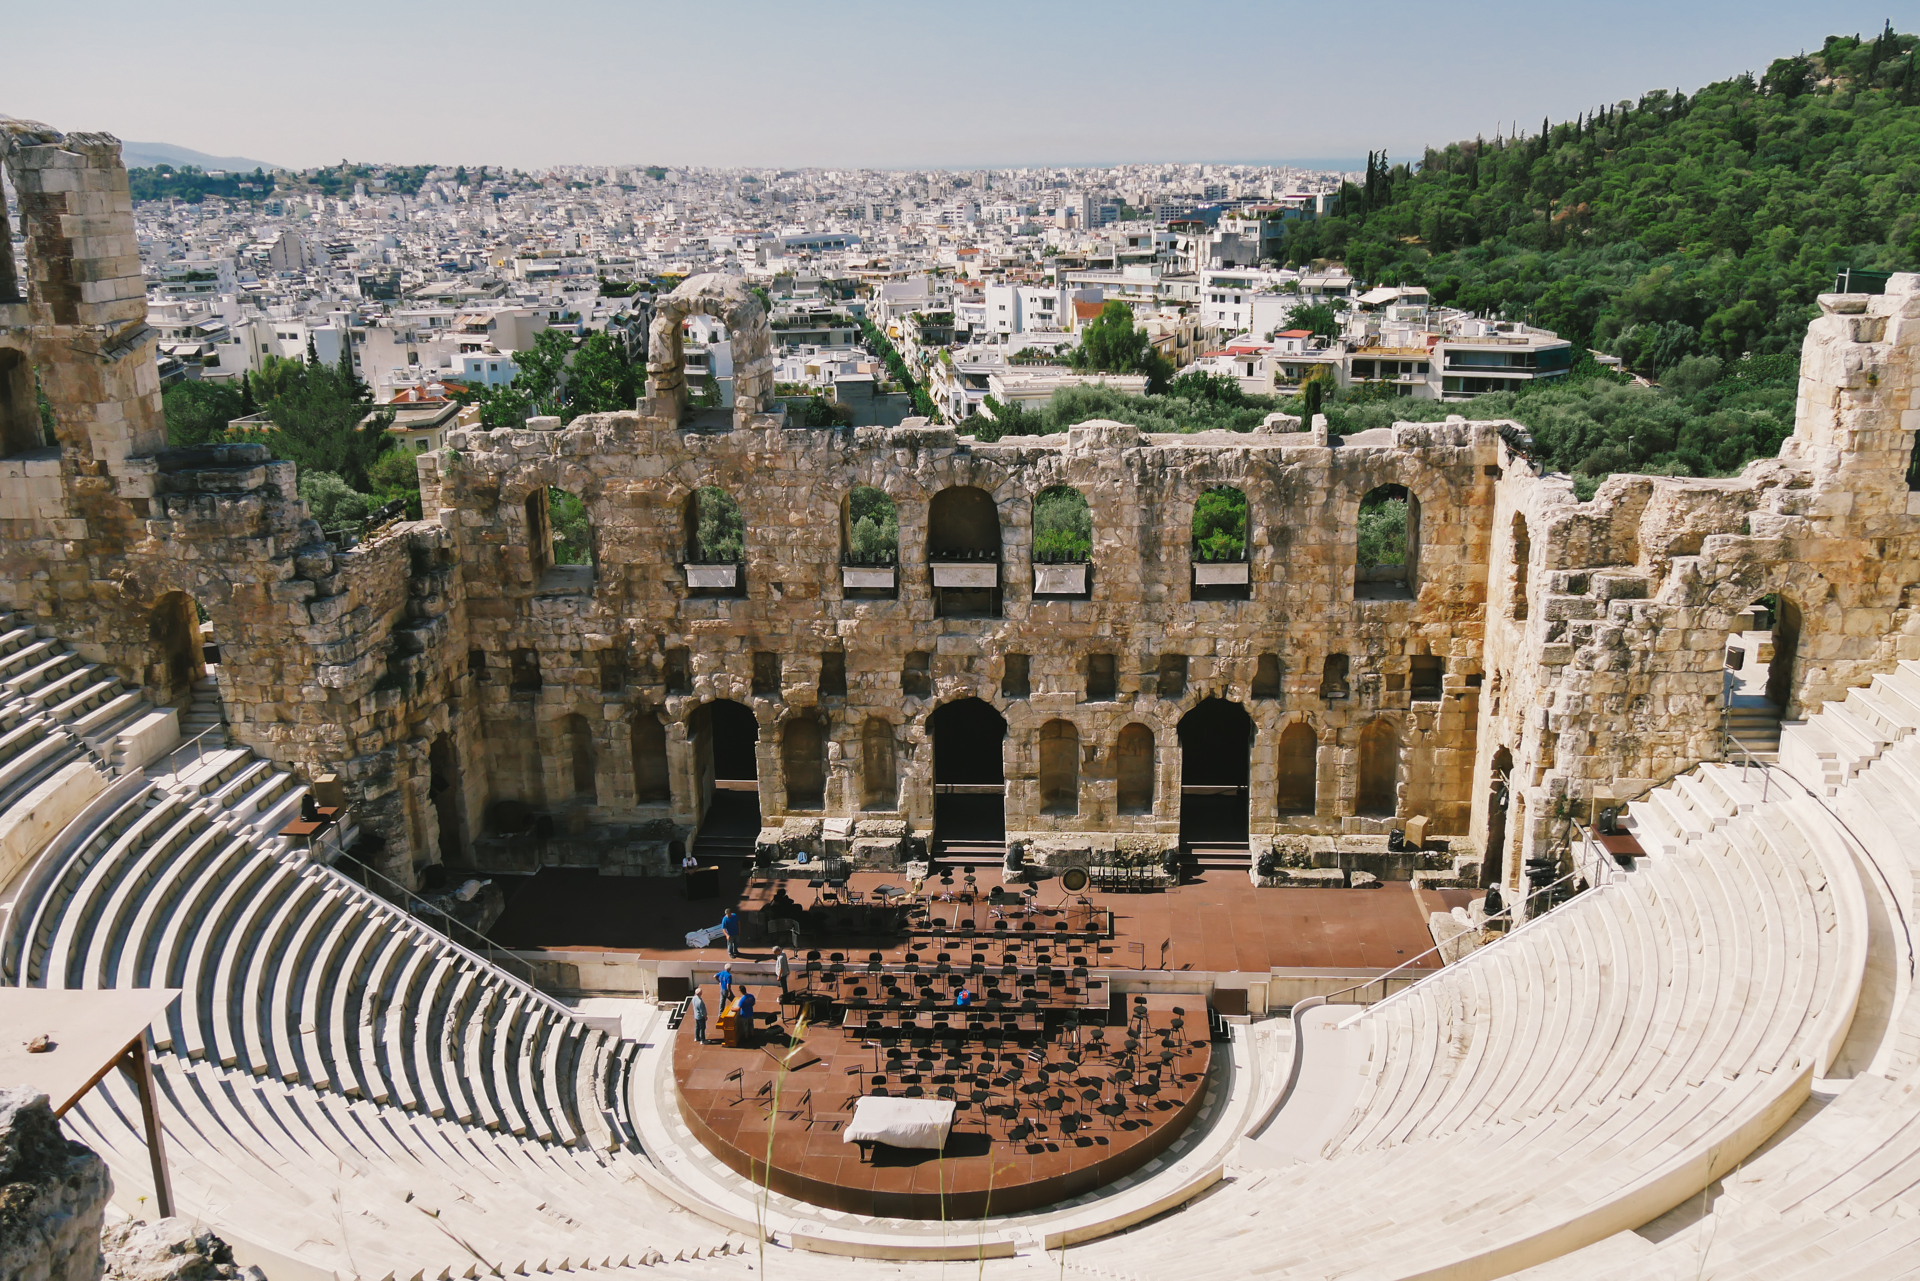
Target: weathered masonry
{"type": "Point", "coordinates": [664, 623]}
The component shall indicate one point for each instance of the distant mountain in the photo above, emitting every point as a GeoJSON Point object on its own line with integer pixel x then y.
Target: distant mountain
{"type": "Point", "coordinates": [144, 155]}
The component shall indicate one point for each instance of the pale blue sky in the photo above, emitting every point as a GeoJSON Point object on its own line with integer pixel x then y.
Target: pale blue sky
{"type": "Point", "coordinates": [741, 82]}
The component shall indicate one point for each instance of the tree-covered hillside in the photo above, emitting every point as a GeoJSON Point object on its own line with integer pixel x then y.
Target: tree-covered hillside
{"type": "Point", "coordinates": [1662, 228]}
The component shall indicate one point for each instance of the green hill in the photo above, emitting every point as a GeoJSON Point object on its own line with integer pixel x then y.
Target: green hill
{"type": "Point", "coordinates": [1662, 228]}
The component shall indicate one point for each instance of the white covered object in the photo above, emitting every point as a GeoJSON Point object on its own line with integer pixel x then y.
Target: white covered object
{"type": "Point", "coordinates": [705, 938]}
{"type": "Point", "coordinates": [900, 1123]}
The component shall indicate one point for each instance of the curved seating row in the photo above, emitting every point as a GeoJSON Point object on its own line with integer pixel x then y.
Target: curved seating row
{"type": "Point", "coordinates": [1838, 1193]}
{"type": "Point", "coordinates": [1579, 1077]}
{"type": "Point", "coordinates": [333, 1066]}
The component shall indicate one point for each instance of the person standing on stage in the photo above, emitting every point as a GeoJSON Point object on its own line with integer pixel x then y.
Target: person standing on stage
{"type": "Point", "coordinates": [743, 1017]}
{"type": "Point", "coordinates": [699, 1011]}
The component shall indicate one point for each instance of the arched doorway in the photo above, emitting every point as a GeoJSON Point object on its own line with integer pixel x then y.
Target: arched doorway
{"type": "Point", "coordinates": [1378, 794]}
{"type": "Point", "coordinates": [724, 734]}
{"type": "Point", "coordinates": [1216, 750]}
{"type": "Point", "coordinates": [969, 777]}
{"type": "Point", "coordinates": [576, 745]}
{"type": "Point", "coordinates": [803, 758]}
{"type": "Point", "coordinates": [1133, 770]}
{"type": "Point", "coordinates": [1499, 797]}
{"type": "Point", "coordinates": [963, 553]}
{"type": "Point", "coordinates": [649, 744]}
{"type": "Point", "coordinates": [1298, 784]}
{"type": "Point", "coordinates": [1758, 675]}
{"type": "Point", "coordinates": [173, 628]}
{"type": "Point", "coordinates": [1059, 768]}
{"type": "Point", "coordinates": [443, 789]}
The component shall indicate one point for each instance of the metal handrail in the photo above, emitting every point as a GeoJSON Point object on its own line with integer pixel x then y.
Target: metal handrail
{"type": "Point", "coordinates": [1382, 978]}
{"type": "Point", "coordinates": [1747, 761]}
{"type": "Point", "coordinates": [199, 752]}
{"type": "Point", "coordinates": [408, 897]}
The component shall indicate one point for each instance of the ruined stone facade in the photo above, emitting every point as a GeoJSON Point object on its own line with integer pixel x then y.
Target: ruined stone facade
{"type": "Point", "coordinates": [448, 671]}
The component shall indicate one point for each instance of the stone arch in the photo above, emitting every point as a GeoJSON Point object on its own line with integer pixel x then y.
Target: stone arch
{"type": "Point", "coordinates": [969, 769]}
{"type": "Point", "coordinates": [715, 528]}
{"type": "Point", "coordinates": [20, 428]}
{"type": "Point", "coordinates": [963, 520]}
{"type": "Point", "coordinates": [1499, 799]}
{"type": "Point", "coordinates": [1133, 757]}
{"type": "Point", "coordinates": [869, 526]}
{"type": "Point", "coordinates": [879, 773]}
{"type": "Point", "coordinates": [444, 792]}
{"type": "Point", "coordinates": [1216, 755]}
{"type": "Point", "coordinates": [1377, 791]}
{"type": "Point", "coordinates": [648, 737]}
{"type": "Point", "coordinates": [578, 758]}
{"type": "Point", "coordinates": [178, 655]}
{"type": "Point", "coordinates": [1387, 544]}
{"type": "Point", "coordinates": [803, 759]}
{"type": "Point", "coordinates": [1060, 768]}
{"type": "Point", "coordinates": [1298, 785]}
{"type": "Point", "coordinates": [560, 536]}
{"type": "Point", "coordinates": [729, 300]}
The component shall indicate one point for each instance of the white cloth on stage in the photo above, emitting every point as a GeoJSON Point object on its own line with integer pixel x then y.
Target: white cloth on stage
{"type": "Point", "coordinates": [900, 1123]}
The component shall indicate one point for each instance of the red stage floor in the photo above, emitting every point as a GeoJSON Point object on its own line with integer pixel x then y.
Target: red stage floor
{"type": "Point", "coordinates": [992, 1163]}
{"type": "Point", "coordinates": [1217, 921]}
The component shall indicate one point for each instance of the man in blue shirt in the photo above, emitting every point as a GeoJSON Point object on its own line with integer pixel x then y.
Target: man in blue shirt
{"type": "Point", "coordinates": [743, 1017]}
{"type": "Point", "coordinates": [730, 922]}
{"type": "Point", "coordinates": [725, 979]}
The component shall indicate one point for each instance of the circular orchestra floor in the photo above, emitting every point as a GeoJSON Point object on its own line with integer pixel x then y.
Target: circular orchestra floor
{"type": "Point", "coordinates": [1044, 1114]}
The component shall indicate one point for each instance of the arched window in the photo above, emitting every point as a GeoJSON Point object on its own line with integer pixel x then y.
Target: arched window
{"type": "Point", "coordinates": [576, 745]}
{"type": "Point", "coordinates": [1378, 791]}
{"type": "Point", "coordinates": [20, 425]}
{"type": "Point", "coordinates": [803, 756]}
{"type": "Point", "coordinates": [1062, 542]}
{"type": "Point", "coordinates": [443, 790]}
{"type": "Point", "coordinates": [879, 785]}
{"type": "Point", "coordinates": [173, 628]}
{"type": "Point", "coordinates": [1298, 784]}
{"type": "Point", "coordinates": [716, 536]}
{"type": "Point", "coordinates": [650, 777]}
{"type": "Point", "coordinates": [963, 551]}
{"type": "Point", "coordinates": [1220, 542]}
{"type": "Point", "coordinates": [560, 545]}
{"type": "Point", "coordinates": [1387, 545]}
{"type": "Point", "coordinates": [1522, 554]}
{"type": "Point", "coordinates": [871, 527]}
{"type": "Point", "coordinates": [1059, 768]}
{"type": "Point", "coordinates": [1133, 769]}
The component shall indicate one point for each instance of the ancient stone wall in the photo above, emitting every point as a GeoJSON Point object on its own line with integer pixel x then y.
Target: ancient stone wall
{"type": "Point", "coordinates": [1612, 681]}
{"type": "Point", "coordinates": [636, 474]}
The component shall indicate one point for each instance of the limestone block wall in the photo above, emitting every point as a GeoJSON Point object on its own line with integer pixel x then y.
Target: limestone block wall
{"type": "Point", "coordinates": [637, 472]}
{"type": "Point", "coordinates": [1612, 683]}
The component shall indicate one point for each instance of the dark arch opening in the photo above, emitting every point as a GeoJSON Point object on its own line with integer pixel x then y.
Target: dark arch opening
{"type": "Point", "coordinates": [1378, 793]}
{"type": "Point", "coordinates": [1298, 784]}
{"type": "Point", "coordinates": [1216, 753]}
{"type": "Point", "coordinates": [1059, 768]}
{"type": "Point", "coordinates": [173, 629]}
{"type": "Point", "coordinates": [1133, 769]}
{"type": "Point", "coordinates": [1499, 797]}
{"type": "Point", "coordinates": [969, 777]}
{"type": "Point", "coordinates": [880, 789]}
{"type": "Point", "coordinates": [963, 548]}
{"type": "Point", "coordinates": [576, 745]}
{"type": "Point", "coordinates": [724, 734]}
{"type": "Point", "coordinates": [443, 789]}
{"type": "Point", "coordinates": [20, 425]}
{"type": "Point", "coordinates": [651, 780]}
{"type": "Point", "coordinates": [803, 759]}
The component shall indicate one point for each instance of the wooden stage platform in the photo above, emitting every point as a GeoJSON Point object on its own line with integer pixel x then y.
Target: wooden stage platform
{"type": "Point", "coordinates": [1043, 1117]}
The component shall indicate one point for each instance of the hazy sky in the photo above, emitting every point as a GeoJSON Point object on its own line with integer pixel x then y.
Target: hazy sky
{"type": "Point", "coordinates": [885, 84]}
